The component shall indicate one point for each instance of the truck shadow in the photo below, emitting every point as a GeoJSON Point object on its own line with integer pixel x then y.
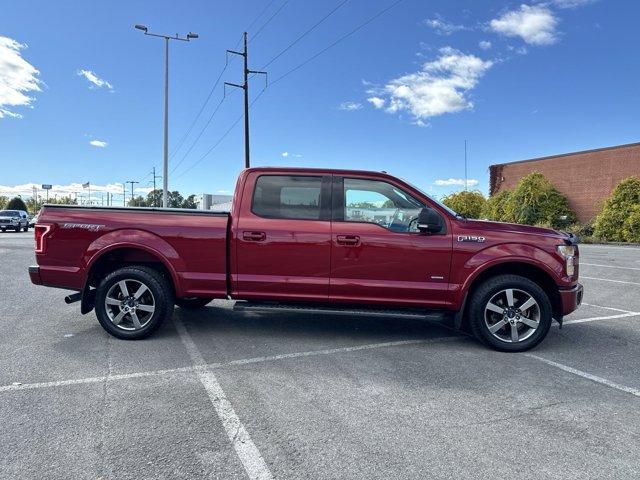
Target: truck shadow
{"type": "Point", "coordinates": [215, 320]}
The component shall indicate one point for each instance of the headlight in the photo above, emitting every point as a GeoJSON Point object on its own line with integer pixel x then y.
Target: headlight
{"type": "Point", "coordinates": [568, 252]}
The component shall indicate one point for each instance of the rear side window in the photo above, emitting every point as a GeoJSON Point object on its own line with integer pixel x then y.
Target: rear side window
{"type": "Point", "coordinates": [294, 197]}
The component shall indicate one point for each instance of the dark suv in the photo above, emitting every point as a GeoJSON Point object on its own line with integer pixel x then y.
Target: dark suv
{"type": "Point", "coordinates": [14, 220]}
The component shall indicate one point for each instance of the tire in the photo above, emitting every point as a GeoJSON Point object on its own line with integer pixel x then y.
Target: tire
{"type": "Point", "coordinates": [193, 303]}
{"type": "Point", "coordinates": [3, 230]}
{"type": "Point", "coordinates": [497, 319]}
{"type": "Point", "coordinates": [133, 318]}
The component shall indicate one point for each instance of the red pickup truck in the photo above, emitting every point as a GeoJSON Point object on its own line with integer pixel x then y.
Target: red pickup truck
{"type": "Point", "coordinates": [325, 240]}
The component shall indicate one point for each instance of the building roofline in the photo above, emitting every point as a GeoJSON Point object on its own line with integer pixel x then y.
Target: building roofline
{"type": "Point", "coordinates": [549, 157]}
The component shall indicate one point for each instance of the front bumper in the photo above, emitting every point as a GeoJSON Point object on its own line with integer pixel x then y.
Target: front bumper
{"type": "Point", "coordinates": [571, 299]}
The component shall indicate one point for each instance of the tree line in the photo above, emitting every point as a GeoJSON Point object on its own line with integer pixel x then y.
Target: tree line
{"type": "Point", "coordinates": [153, 199]}
{"type": "Point", "coordinates": [535, 201]}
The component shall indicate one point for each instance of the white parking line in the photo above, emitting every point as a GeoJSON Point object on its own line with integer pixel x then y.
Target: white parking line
{"type": "Point", "coordinates": [246, 450]}
{"type": "Point", "coordinates": [594, 319]}
{"type": "Point", "coordinates": [610, 280]}
{"type": "Point", "coordinates": [607, 308]}
{"type": "Point", "coordinates": [243, 361]}
{"type": "Point", "coordinates": [608, 266]}
{"type": "Point", "coordinates": [588, 376]}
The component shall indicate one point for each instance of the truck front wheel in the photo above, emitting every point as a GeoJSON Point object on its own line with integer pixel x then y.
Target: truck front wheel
{"type": "Point", "coordinates": [510, 313]}
{"type": "Point", "coordinates": [132, 302]}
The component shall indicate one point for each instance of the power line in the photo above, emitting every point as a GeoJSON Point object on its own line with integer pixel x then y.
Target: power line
{"type": "Point", "coordinates": [339, 40]}
{"type": "Point", "coordinates": [220, 140]}
{"type": "Point", "coordinates": [307, 32]}
{"type": "Point", "coordinates": [193, 144]}
{"type": "Point", "coordinates": [195, 120]}
{"type": "Point", "coordinates": [256, 19]}
{"type": "Point", "coordinates": [269, 20]}
{"type": "Point", "coordinates": [308, 60]}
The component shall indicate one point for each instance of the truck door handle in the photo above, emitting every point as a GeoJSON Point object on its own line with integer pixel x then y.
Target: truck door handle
{"type": "Point", "coordinates": [254, 236]}
{"type": "Point", "coordinates": [352, 240]}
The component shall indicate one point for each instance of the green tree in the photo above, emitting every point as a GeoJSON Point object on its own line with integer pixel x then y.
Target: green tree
{"type": "Point", "coordinates": [495, 207]}
{"type": "Point", "coordinates": [467, 203]}
{"type": "Point", "coordinates": [190, 202]}
{"type": "Point", "coordinates": [536, 201]}
{"type": "Point", "coordinates": [154, 199]}
{"type": "Point", "coordinates": [3, 202]}
{"type": "Point", "coordinates": [631, 227]}
{"type": "Point", "coordinates": [610, 224]}
{"type": "Point", "coordinates": [138, 201]}
{"type": "Point", "coordinates": [16, 203]}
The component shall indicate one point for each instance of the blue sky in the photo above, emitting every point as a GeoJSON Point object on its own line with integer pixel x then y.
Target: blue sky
{"type": "Point", "coordinates": [516, 79]}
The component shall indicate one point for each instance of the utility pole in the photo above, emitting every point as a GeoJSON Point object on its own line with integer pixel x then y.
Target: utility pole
{"type": "Point", "coordinates": [132, 182]}
{"type": "Point", "coordinates": [190, 36]}
{"type": "Point", "coordinates": [124, 194]}
{"type": "Point", "coordinates": [465, 165]}
{"type": "Point", "coordinates": [245, 87]}
{"type": "Point", "coordinates": [154, 185]}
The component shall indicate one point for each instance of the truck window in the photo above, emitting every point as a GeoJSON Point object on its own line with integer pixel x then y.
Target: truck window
{"type": "Point", "coordinates": [379, 202]}
{"type": "Point", "coordinates": [293, 197]}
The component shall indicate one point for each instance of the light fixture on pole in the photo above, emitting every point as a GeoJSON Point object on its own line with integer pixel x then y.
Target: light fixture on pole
{"type": "Point", "coordinates": [190, 36]}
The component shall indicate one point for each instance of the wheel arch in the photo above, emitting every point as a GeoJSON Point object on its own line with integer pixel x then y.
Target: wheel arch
{"type": "Point", "coordinates": [522, 268]}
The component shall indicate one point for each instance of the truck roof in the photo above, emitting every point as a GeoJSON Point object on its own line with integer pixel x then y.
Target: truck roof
{"type": "Point", "coordinates": [326, 171]}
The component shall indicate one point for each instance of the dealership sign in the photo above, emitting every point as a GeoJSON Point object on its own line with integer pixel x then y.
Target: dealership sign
{"type": "Point", "coordinates": [46, 187]}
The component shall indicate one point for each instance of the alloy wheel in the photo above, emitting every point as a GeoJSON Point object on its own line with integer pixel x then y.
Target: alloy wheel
{"type": "Point", "coordinates": [512, 315]}
{"type": "Point", "coordinates": [130, 304]}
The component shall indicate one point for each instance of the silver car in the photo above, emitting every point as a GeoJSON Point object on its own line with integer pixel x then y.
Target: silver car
{"type": "Point", "coordinates": [15, 220]}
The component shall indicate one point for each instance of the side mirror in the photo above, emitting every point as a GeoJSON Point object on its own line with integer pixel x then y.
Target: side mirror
{"type": "Point", "coordinates": [429, 221]}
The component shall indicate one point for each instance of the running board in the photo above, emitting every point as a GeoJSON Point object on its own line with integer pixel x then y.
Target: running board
{"type": "Point", "coordinates": [435, 316]}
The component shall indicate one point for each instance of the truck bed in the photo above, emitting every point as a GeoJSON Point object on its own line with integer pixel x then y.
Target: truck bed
{"type": "Point", "coordinates": [191, 244]}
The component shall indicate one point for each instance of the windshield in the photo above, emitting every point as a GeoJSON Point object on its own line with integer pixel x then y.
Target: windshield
{"type": "Point", "coordinates": [9, 213]}
{"type": "Point", "coordinates": [451, 211]}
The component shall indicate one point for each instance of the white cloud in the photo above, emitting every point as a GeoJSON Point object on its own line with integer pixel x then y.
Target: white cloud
{"type": "Point", "coordinates": [376, 101]}
{"type": "Point", "coordinates": [350, 106]}
{"type": "Point", "coordinates": [440, 87]}
{"type": "Point", "coordinates": [98, 143]}
{"type": "Point", "coordinates": [442, 27]}
{"type": "Point", "coordinates": [96, 82]}
{"type": "Point", "coordinates": [17, 78]}
{"type": "Point", "coordinates": [471, 182]}
{"type": "Point", "coordinates": [485, 45]}
{"type": "Point", "coordinates": [26, 189]}
{"type": "Point", "coordinates": [571, 3]}
{"type": "Point", "coordinates": [289, 154]}
{"type": "Point", "coordinates": [535, 24]}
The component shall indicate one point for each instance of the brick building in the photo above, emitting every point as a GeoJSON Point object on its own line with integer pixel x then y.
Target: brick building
{"type": "Point", "coordinates": [586, 178]}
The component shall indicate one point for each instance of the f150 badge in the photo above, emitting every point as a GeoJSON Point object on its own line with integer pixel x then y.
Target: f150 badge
{"type": "Point", "coordinates": [470, 238]}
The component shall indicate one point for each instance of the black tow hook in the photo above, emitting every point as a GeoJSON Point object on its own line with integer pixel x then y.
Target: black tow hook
{"type": "Point", "coordinates": [76, 297]}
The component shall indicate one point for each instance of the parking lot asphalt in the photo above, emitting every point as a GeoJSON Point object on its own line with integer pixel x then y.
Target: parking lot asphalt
{"type": "Point", "coordinates": [224, 394]}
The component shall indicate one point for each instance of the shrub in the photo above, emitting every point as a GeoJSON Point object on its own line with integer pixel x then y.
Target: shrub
{"type": "Point", "coordinates": [467, 203]}
{"type": "Point", "coordinates": [631, 227]}
{"type": "Point", "coordinates": [16, 203]}
{"type": "Point", "coordinates": [536, 201]}
{"type": "Point", "coordinates": [494, 207]}
{"type": "Point", "coordinates": [610, 222]}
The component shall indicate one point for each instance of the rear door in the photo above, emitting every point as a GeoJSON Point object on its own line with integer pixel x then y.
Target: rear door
{"type": "Point", "coordinates": [283, 237]}
{"type": "Point", "coordinates": [378, 255]}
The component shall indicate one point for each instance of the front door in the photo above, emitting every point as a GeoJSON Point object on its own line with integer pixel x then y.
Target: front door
{"type": "Point", "coordinates": [378, 255]}
{"type": "Point", "coordinates": [283, 238]}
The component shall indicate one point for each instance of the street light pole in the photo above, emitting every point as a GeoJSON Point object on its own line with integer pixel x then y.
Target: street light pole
{"type": "Point", "coordinates": [165, 166]}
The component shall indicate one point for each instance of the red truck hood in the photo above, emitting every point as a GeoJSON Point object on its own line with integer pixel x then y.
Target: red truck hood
{"type": "Point", "coordinates": [513, 227]}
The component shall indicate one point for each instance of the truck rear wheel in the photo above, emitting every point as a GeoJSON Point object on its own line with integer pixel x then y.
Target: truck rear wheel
{"type": "Point", "coordinates": [132, 302]}
{"type": "Point", "coordinates": [510, 313]}
{"type": "Point", "coordinates": [193, 303]}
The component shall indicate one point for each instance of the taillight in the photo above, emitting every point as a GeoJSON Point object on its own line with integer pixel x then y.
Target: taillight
{"type": "Point", "coordinates": [40, 234]}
